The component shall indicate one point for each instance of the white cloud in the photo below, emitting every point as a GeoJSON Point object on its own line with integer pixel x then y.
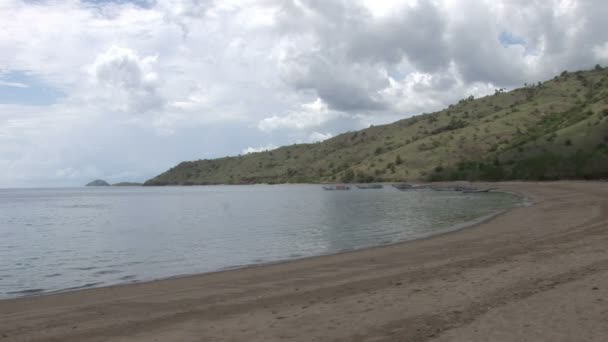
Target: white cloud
{"type": "Point", "coordinates": [123, 68]}
{"type": "Point", "coordinates": [318, 136]}
{"type": "Point", "coordinates": [383, 8]}
{"type": "Point", "coordinates": [309, 115]}
{"type": "Point", "coordinates": [13, 84]}
{"type": "Point", "coordinates": [131, 81]}
{"type": "Point", "coordinates": [601, 52]}
{"type": "Point", "coordinates": [259, 149]}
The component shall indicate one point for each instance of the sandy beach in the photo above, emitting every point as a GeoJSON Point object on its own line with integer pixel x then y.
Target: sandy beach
{"type": "Point", "coordinates": [536, 273]}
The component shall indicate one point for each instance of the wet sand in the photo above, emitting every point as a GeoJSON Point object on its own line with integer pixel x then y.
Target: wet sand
{"type": "Point", "coordinates": [536, 273]}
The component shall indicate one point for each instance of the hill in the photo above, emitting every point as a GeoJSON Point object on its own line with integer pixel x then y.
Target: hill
{"type": "Point", "coordinates": [98, 182]}
{"type": "Point", "coordinates": [551, 130]}
{"type": "Point", "coordinates": [127, 184]}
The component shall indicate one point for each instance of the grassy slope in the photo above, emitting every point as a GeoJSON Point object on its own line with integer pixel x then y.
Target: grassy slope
{"type": "Point", "coordinates": [500, 136]}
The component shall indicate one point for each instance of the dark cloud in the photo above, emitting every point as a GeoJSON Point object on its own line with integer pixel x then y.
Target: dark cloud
{"type": "Point", "coordinates": [343, 86]}
{"type": "Point", "coordinates": [351, 51]}
{"type": "Point", "coordinates": [414, 33]}
{"type": "Point", "coordinates": [345, 54]}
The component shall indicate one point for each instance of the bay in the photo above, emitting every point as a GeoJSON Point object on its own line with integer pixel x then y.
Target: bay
{"type": "Point", "coordinates": [73, 238]}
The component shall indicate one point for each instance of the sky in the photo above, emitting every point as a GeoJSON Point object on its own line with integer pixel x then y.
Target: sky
{"type": "Point", "coordinates": [124, 89]}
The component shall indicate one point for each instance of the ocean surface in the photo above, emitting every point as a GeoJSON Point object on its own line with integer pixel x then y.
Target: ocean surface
{"type": "Point", "coordinates": [65, 239]}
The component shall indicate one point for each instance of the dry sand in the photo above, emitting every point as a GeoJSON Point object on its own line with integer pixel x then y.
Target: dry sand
{"type": "Point", "coordinates": [537, 273]}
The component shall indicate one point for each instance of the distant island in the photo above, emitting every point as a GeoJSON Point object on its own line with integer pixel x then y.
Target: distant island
{"type": "Point", "coordinates": [98, 182]}
{"type": "Point", "coordinates": [127, 184]}
{"type": "Point", "coordinates": [101, 182]}
{"type": "Point", "coordinates": [543, 131]}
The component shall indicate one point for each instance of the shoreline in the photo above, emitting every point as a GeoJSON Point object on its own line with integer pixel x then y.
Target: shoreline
{"type": "Point", "coordinates": [537, 272]}
{"type": "Point", "coordinates": [454, 228]}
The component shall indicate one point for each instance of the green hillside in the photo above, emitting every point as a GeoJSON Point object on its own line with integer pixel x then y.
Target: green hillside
{"type": "Point", "coordinates": [551, 130]}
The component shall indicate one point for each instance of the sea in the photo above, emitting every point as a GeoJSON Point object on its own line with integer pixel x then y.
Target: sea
{"type": "Point", "coordinates": [54, 240]}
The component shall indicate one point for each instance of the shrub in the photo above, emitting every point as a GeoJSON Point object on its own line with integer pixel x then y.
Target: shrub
{"type": "Point", "coordinates": [349, 176]}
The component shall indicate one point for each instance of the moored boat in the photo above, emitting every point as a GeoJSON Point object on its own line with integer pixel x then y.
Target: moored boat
{"type": "Point", "coordinates": [451, 188]}
{"type": "Point", "coordinates": [476, 191]}
{"type": "Point", "coordinates": [336, 187]}
{"type": "Point", "coordinates": [410, 187]}
{"type": "Point", "coordinates": [370, 186]}
{"type": "Point", "coordinates": [402, 186]}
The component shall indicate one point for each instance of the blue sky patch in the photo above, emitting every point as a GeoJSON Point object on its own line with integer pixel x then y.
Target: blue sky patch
{"type": "Point", "coordinates": [18, 87]}
{"type": "Point", "coordinates": [507, 38]}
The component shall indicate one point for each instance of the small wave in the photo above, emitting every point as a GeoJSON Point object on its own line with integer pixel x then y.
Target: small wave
{"type": "Point", "coordinates": [84, 206]}
{"type": "Point", "coordinates": [102, 260]}
{"type": "Point", "coordinates": [127, 264]}
{"type": "Point", "coordinates": [85, 286]}
{"type": "Point", "coordinates": [26, 292]}
{"type": "Point", "coordinates": [234, 267]}
{"type": "Point", "coordinates": [21, 268]}
{"type": "Point", "coordinates": [53, 275]}
{"type": "Point", "coordinates": [128, 277]}
{"type": "Point", "coordinates": [104, 272]}
{"type": "Point", "coordinates": [84, 268]}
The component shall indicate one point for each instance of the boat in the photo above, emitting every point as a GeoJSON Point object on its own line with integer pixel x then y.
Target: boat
{"type": "Point", "coordinates": [452, 188]}
{"type": "Point", "coordinates": [477, 191]}
{"type": "Point", "coordinates": [409, 187]}
{"type": "Point", "coordinates": [336, 187]}
{"type": "Point", "coordinates": [402, 186]}
{"type": "Point", "coordinates": [464, 188]}
{"type": "Point", "coordinates": [370, 186]}
{"type": "Point", "coordinates": [443, 188]}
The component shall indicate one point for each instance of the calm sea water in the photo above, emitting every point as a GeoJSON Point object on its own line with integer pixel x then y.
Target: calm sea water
{"type": "Point", "coordinates": [62, 239]}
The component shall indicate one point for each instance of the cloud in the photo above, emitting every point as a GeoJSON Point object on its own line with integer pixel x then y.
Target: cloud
{"type": "Point", "coordinates": [129, 78]}
{"type": "Point", "coordinates": [128, 88]}
{"type": "Point", "coordinates": [601, 52]}
{"type": "Point", "coordinates": [259, 149]}
{"type": "Point", "coordinates": [318, 136]}
{"type": "Point", "coordinates": [13, 84]}
{"type": "Point", "coordinates": [347, 53]}
{"type": "Point", "coordinates": [309, 115]}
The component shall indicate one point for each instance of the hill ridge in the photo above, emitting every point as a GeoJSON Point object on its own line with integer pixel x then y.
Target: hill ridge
{"type": "Point", "coordinates": [550, 130]}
